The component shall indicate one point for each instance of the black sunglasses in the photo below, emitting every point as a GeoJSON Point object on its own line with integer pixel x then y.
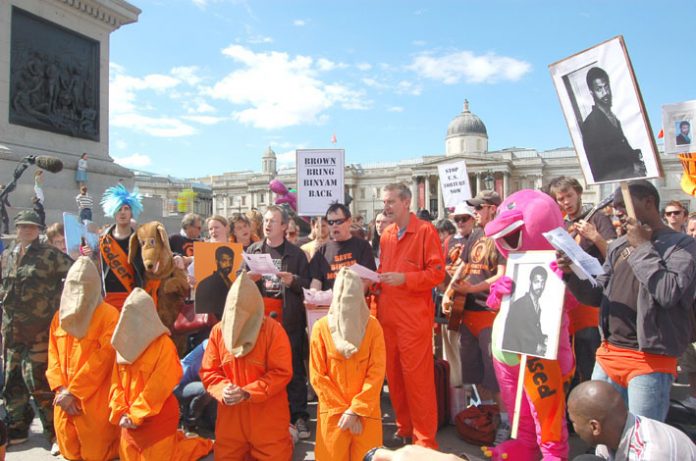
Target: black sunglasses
{"type": "Point", "coordinates": [675, 212]}
{"type": "Point", "coordinates": [462, 219]}
{"type": "Point", "coordinates": [337, 222]}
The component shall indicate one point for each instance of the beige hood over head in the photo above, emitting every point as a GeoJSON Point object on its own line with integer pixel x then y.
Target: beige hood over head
{"type": "Point", "coordinates": [348, 313]}
{"type": "Point", "coordinates": [242, 317]}
{"type": "Point", "coordinates": [81, 297]}
{"type": "Point", "coordinates": [138, 326]}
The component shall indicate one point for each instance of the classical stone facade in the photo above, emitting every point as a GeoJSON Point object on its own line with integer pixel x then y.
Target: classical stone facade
{"type": "Point", "coordinates": [505, 171]}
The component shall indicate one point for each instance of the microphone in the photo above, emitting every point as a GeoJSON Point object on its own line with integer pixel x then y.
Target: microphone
{"type": "Point", "coordinates": [46, 162]}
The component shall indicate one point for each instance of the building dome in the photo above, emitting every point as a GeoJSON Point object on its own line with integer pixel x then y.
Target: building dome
{"type": "Point", "coordinates": [466, 123]}
{"type": "Point", "coordinates": [269, 162]}
{"type": "Point", "coordinates": [270, 154]}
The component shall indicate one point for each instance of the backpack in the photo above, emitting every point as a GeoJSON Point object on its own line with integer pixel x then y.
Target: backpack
{"type": "Point", "coordinates": [477, 424]}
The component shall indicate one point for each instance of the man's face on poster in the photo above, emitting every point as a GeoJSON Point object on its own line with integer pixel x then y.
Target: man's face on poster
{"type": "Point", "coordinates": [538, 284]}
{"type": "Point", "coordinates": [684, 128]}
{"type": "Point", "coordinates": [601, 92]}
{"type": "Point", "coordinates": [224, 264]}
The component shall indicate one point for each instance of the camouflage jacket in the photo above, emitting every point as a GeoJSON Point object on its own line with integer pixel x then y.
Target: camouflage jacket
{"type": "Point", "coordinates": [30, 291]}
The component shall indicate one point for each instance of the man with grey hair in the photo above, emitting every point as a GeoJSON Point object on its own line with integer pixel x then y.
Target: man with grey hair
{"type": "Point", "coordinates": [410, 267]}
{"type": "Point", "coordinates": [283, 298]}
{"type": "Point", "coordinates": [182, 243]}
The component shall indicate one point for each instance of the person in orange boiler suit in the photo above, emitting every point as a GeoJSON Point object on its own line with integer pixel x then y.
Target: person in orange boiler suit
{"type": "Point", "coordinates": [80, 360]}
{"type": "Point", "coordinates": [246, 368]}
{"type": "Point", "coordinates": [346, 368]}
{"type": "Point", "coordinates": [141, 399]}
{"type": "Point", "coordinates": [411, 265]}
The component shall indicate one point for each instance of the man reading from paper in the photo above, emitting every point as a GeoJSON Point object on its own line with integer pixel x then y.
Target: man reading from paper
{"type": "Point", "coordinates": [141, 400]}
{"type": "Point", "coordinates": [80, 361]}
{"type": "Point", "coordinates": [347, 363]}
{"type": "Point", "coordinates": [246, 368]}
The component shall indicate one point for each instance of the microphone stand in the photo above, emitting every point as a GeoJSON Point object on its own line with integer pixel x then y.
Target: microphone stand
{"type": "Point", "coordinates": [11, 186]}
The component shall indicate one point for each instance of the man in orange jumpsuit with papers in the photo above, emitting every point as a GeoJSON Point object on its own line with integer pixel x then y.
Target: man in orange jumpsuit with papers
{"type": "Point", "coordinates": [80, 361]}
{"type": "Point", "coordinates": [246, 367]}
{"type": "Point", "coordinates": [411, 265]}
{"type": "Point", "coordinates": [346, 368]}
{"type": "Point", "coordinates": [141, 400]}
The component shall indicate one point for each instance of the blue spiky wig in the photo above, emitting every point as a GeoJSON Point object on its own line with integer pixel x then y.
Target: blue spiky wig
{"type": "Point", "coordinates": [115, 197]}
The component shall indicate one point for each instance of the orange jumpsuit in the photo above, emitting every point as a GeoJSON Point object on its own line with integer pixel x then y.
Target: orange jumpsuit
{"type": "Point", "coordinates": [83, 367]}
{"type": "Point", "coordinates": [406, 314]}
{"type": "Point", "coordinates": [341, 384]}
{"type": "Point", "coordinates": [257, 428]}
{"type": "Point", "coordinates": [143, 391]}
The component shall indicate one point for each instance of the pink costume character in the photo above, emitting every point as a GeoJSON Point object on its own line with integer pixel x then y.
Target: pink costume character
{"type": "Point", "coordinates": [521, 219]}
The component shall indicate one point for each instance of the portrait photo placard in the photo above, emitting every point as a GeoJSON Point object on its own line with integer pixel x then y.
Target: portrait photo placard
{"type": "Point", "coordinates": [678, 125]}
{"type": "Point", "coordinates": [605, 114]}
{"type": "Point", "coordinates": [215, 269]}
{"type": "Point", "coordinates": [532, 312]}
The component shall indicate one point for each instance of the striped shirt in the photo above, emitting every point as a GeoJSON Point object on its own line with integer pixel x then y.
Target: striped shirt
{"type": "Point", "coordinates": [84, 201]}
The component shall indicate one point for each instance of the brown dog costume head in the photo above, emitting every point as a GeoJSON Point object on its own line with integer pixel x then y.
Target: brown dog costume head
{"type": "Point", "coordinates": [156, 254]}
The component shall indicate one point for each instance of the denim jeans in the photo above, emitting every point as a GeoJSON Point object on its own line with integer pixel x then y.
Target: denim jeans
{"type": "Point", "coordinates": [646, 395]}
{"type": "Point", "coordinates": [199, 409]}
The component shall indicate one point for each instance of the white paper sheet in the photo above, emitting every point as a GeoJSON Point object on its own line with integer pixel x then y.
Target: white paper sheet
{"type": "Point", "coordinates": [318, 298]}
{"type": "Point", "coordinates": [586, 267]}
{"type": "Point", "coordinates": [364, 273]}
{"type": "Point", "coordinates": [260, 263]}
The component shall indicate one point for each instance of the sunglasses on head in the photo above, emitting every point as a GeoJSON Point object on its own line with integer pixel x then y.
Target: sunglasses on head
{"type": "Point", "coordinates": [462, 218]}
{"type": "Point", "coordinates": [672, 213]}
{"type": "Point", "coordinates": [337, 222]}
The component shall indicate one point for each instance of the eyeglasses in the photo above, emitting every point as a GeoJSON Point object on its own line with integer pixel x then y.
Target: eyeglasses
{"type": "Point", "coordinates": [480, 207]}
{"type": "Point", "coordinates": [459, 219]}
{"type": "Point", "coordinates": [336, 222]}
{"type": "Point", "coordinates": [672, 213]}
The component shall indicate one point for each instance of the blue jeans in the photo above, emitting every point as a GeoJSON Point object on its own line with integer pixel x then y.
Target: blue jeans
{"type": "Point", "coordinates": [646, 395]}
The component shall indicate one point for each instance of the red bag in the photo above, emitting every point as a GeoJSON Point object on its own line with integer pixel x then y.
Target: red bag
{"type": "Point", "coordinates": [442, 389]}
{"type": "Point", "coordinates": [188, 321]}
{"type": "Point", "coordinates": [477, 424]}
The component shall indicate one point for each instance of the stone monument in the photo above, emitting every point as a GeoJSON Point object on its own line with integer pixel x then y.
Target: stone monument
{"type": "Point", "coordinates": [54, 97]}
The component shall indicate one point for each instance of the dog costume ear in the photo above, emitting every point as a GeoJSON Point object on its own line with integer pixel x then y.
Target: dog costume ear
{"type": "Point", "coordinates": [162, 232]}
{"type": "Point", "coordinates": [133, 246]}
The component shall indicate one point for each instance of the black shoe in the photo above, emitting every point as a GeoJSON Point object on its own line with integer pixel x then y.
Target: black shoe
{"type": "Point", "coordinates": [397, 441]}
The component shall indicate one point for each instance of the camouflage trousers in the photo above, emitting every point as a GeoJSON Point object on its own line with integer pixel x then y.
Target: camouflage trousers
{"type": "Point", "coordinates": [25, 377]}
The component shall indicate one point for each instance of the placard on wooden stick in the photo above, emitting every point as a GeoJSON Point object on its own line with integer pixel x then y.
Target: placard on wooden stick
{"type": "Point", "coordinates": [320, 180]}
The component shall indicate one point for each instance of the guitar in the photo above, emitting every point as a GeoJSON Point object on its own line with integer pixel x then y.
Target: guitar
{"type": "Point", "coordinates": [588, 214]}
{"type": "Point", "coordinates": [455, 301]}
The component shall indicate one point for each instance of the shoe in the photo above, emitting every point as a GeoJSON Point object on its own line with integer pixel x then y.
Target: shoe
{"type": "Point", "coordinates": [55, 451]}
{"type": "Point", "coordinates": [397, 441]}
{"type": "Point", "coordinates": [690, 402]}
{"type": "Point", "coordinates": [502, 434]}
{"type": "Point", "coordinates": [303, 431]}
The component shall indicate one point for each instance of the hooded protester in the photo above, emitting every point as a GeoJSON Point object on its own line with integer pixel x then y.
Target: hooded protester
{"type": "Point", "coordinates": [347, 365]}
{"type": "Point", "coordinates": [142, 402]}
{"type": "Point", "coordinates": [246, 368]}
{"type": "Point", "coordinates": [80, 361]}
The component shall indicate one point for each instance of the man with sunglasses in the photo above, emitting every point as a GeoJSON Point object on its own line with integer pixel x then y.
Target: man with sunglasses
{"type": "Point", "coordinates": [646, 300]}
{"type": "Point", "coordinates": [341, 250]}
{"type": "Point", "coordinates": [676, 216]}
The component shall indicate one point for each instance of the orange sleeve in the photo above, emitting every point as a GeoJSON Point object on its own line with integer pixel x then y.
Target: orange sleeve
{"type": "Point", "coordinates": [363, 402]}
{"type": "Point", "coordinates": [434, 271]}
{"type": "Point", "coordinates": [212, 375]}
{"type": "Point", "coordinates": [117, 398]}
{"type": "Point", "coordinates": [54, 374]}
{"type": "Point", "coordinates": [278, 365]}
{"type": "Point", "coordinates": [325, 387]}
{"type": "Point", "coordinates": [91, 376]}
{"type": "Point", "coordinates": [159, 386]}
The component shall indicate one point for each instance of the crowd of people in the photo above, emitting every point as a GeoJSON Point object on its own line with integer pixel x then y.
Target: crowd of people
{"type": "Point", "coordinates": [83, 338]}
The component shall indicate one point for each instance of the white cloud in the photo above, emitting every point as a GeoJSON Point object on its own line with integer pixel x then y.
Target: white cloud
{"type": "Point", "coordinates": [469, 67]}
{"type": "Point", "coordinates": [259, 39]}
{"type": "Point", "coordinates": [164, 127]}
{"type": "Point", "coordinates": [205, 119]}
{"type": "Point", "coordinates": [395, 109]}
{"type": "Point", "coordinates": [280, 90]}
{"type": "Point", "coordinates": [121, 144]}
{"type": "Point", "coordinates": [419, 43]}
{"type": "Point", "coordinates": [326, 65]}
{"type": "Point", "coordinates": [286, 159]}
{"type": "Point", "coordinates": [187, 74]}
{"type": "Point", "coordinates": [364, 66]}
{"type": "Point", "coordinates": [406, 87]}
{"type": "Point", "coordinates": [134, 161]}
{"type": "Point", "coordinates": [299, 23]}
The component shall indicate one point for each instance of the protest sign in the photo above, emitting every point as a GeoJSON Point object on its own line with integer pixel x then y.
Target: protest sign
{"type": "Point", "coordinates": [319, 180]}
{"type": "Point", "coordinates": [454, 181]}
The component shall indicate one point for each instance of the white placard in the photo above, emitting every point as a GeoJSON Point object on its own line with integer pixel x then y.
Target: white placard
{"type": "Point", "coordinates": [320, 181]}
{"type": "Point", "coordinates": [455, 183]}
{"type": "Point", "coordinates": [260, 263]}
{"type": "Point", "coordinates": [678, 123]}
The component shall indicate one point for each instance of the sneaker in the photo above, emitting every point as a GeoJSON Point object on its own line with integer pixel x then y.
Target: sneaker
{"type": "Point", "coordinates": [303, 431]}
{"type": "Point", "coordinates": [502, 433]}
{"type": "Point", "coordinates": [690, 402]}
{"type": "Point", "coordinates": [55, 450]}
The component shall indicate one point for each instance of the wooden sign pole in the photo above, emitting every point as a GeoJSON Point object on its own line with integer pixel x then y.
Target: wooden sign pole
{"type": "Point", "coordinates": [628, 201]}
{"type": "Point", "coordinates": [518, 397]}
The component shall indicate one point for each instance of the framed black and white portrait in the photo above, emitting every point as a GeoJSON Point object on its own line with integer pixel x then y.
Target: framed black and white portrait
{"type": "Point", "coordinates": [532, 312]}
{"type": "Point", "coordinates": [678, 125]}
{"type": "Point", "coordinates": [605, 114]}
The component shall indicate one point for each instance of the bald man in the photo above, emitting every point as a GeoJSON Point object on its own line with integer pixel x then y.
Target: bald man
{"type": "Point", "coordinates": [600, 418]}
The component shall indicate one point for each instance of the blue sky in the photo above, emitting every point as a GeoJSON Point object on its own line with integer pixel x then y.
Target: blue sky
{"type": "Point", "coordinates": [201, 87]}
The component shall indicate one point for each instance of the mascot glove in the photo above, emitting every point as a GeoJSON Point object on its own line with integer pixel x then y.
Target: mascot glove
{"type": "Point", "coordinates": [499, 288]}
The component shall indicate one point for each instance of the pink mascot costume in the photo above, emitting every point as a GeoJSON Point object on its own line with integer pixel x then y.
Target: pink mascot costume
{"type": "Point", "coordinates": [521, 219]}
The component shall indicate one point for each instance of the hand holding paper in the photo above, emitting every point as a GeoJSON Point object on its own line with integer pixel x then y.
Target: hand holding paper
{"type": "Point", "coordinates": [260, 263]}
{"type": "Point", "coordinates": [317, 298]}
